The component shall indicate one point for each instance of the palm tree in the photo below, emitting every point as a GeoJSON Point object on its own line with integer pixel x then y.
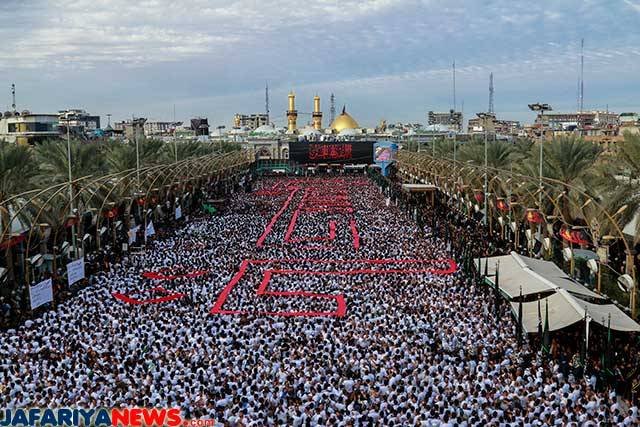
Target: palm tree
{"type": "Point", "coordinates": [17, 174]}
{"type": "Point", "coordinates": [623, 193]}
{"type": "Point", "coordinates": [499, 153]}
{"type": "Point", "coordinates": [18, 169]}
{"type": "Point", "coordinates": [121, 157]}
{"type": "Point", "coordinates": [570, 161]}
{"type": "Point", "coordinates": [54, 165]}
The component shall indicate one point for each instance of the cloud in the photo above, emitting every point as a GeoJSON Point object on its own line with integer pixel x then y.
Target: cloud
{"type": "Point", "coordinates": [633, 5]}
{"type": "Point", "coordinates": [154, 52]}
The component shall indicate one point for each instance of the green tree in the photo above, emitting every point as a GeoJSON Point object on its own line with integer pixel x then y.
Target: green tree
{"type": "Point", "coordinates": [122, 156]}
{"type": "Point", "coordinates": [86, 160]}
{"type": "Point", "coordinates": [499, 153]}
{"type": "Point", "coordinates": [18, 169]}
{"type": "Point", "coordinates": [571, 161]}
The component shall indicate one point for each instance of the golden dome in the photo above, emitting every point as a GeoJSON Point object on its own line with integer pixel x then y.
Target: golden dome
{"type": "Point", "coordinates": [344, 121]}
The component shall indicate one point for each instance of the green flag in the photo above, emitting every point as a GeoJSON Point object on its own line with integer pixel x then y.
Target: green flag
{"type": "Point", "coordinates": [546, 344]}
{"type": "Point", "coordinates": [520, 328]}
{"type": "Point", "coordinates": [605, 358]}
{"type": "Point", "coordinates": [496, 290]}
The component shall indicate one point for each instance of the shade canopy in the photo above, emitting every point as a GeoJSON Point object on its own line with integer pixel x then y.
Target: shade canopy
{"type": "Point", "coordinates": [534, 276]}
{"type": "Point", "coordinates": [568, 301]}
{"type": "Point", "coordinates": [418, 188]}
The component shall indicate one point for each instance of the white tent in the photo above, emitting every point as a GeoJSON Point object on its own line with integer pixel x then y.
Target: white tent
{"type": "Point", "coordinates": [568, 302]}
{"type": "Point", "coordinates": [533, 275]}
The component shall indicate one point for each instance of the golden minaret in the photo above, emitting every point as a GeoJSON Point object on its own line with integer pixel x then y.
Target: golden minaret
{"type": "Point", "coordinates": [292, 113]}
{"type": "Point", "coordinates": [317, 114]}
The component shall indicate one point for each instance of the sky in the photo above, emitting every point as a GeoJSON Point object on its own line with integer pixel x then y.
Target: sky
{"type": "Point", "coordinates": [383, 59]}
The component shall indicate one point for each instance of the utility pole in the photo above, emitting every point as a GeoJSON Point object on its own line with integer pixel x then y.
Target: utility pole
{"type": "Point", "coordinates": [71, 209]}
{"type": "Point", "coordinates": [332, 111]}
{"type": "Point", "coordinates": [13, 97]}
{"type": "Point", "coordinates": [266, 100]}
{"type": "Point", "coordinates": [454, 85]}
{"type": "Point", "coordinates": [175, 141]}
{"type": "Point", "coordinates": [485, 118]}
{"type": "Point", "coordinates": [491, 93]}
{"type": "Point", "coordinates": [135, 139]}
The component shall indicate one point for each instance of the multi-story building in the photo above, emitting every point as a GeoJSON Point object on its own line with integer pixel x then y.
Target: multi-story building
{"type": "Point", "coordinates": [629, 123]}
{"type": "Point", "coordinates": [494, 125]}
{"type": "Point", "coordinates": [250, 121]}
{"type": "Point", "coordinates": [200, 126]}
{"type": "Point", "coordinates": [131, 129]}
{"type": "Point", "coordinates": [28, 128]}
{"type": "Point", "coordinates": [160, 128]}
{"type": "Point", "coordinates": [452, 119]}
{"type": "Point", "coordinates": [79, 121]}
{"type": "Point", "coordinates": [587, 123]}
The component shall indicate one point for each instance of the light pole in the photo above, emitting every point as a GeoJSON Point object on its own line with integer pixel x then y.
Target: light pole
{"type": "Point", "coordinates": [541, 108]}
{"type": "Point", "coordinates": [220, 127]}
{"type": "Point", "coordinates": [71, 209]}
{"type": "Point", "coordinates": [485, 118]}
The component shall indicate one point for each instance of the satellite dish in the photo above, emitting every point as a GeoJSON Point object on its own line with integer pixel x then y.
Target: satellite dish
{"type": "Point", "coordinates": [625, 283]}
{"type": "Point", "coordinates": [567, 254]}
{"type": "Point", "coordinates": [593, 265]}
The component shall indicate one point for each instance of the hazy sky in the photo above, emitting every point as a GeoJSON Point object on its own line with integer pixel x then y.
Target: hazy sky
{"type": "Point", "coordinates": [382, 58]}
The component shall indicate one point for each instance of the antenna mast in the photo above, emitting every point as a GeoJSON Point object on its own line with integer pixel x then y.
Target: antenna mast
{"type": "Point", "coordinates": [266, 100]}
{"type": "Point", "coordinates": [454, 85]}
{"type": "Point", "coordinates": [13, 96]}
{"type": "Point", "coordinates": [582, 76]}
{"type": "Point", "coordinates": [332, 111]}
{"type": "Point", "coordinates": [491, 93]}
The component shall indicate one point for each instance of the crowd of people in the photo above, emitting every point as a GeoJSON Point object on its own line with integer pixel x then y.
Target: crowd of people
{"type": "Point", "coordinates": [415, 345]}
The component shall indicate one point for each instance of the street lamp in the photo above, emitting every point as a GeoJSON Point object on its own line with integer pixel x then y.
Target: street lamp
{"type": "Point", "coordinates": [540, 108]}
{"type": "Point", "coordinates": [71, 209]}
{"type": "Point", "coordinates": [485, 118]}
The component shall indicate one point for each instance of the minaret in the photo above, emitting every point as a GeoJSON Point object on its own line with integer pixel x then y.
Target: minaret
{"type": "Point", "coordinates": [292, 113]}
{"type": "Point", "coordinates": [317, 114]}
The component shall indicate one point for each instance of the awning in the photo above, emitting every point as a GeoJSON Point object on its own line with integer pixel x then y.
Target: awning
{"type": "Point", "coordinates": [534, 276]}
{"type": "Point", "coordinates": [514, 277]}
{"type": "Point", "coordinates": [562, 312]}
{"type": "Point", "coordinates": [564, 297]}
{"type": "Point", "coordinates": [418, 188]}
{"type": "Point", "coordinates": [565, 310]}
{"type": "Point", "coordinates": [619, 320]}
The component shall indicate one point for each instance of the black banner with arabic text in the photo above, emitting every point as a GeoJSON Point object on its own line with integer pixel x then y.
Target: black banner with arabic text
{"type": "Point", "coordinates": [331, 152]}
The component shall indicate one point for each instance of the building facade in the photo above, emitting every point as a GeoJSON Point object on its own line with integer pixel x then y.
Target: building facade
{"type": "Point", "coordinates": [452, 119]}
{"type": "Point", "coordinates": [156, 128]}
{"type": "Point", "coordinates": [28, 128]}
{"type": "Point", "coordinates": [79, 121]}
{"type": "Point", "coordinates": [588, 123]}
{"type": "Point", "coordinates": [250, 121]}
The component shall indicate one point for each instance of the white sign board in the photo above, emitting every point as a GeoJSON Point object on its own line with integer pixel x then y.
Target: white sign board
{"type": "Point", "coordinates": [178, 212]}
{"type": "Point", "coordinates": [75, 271]}
{"type": "Point", "coordinates": [149, 231]}
{"type": "Point", "coordinates": [41, 293]}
